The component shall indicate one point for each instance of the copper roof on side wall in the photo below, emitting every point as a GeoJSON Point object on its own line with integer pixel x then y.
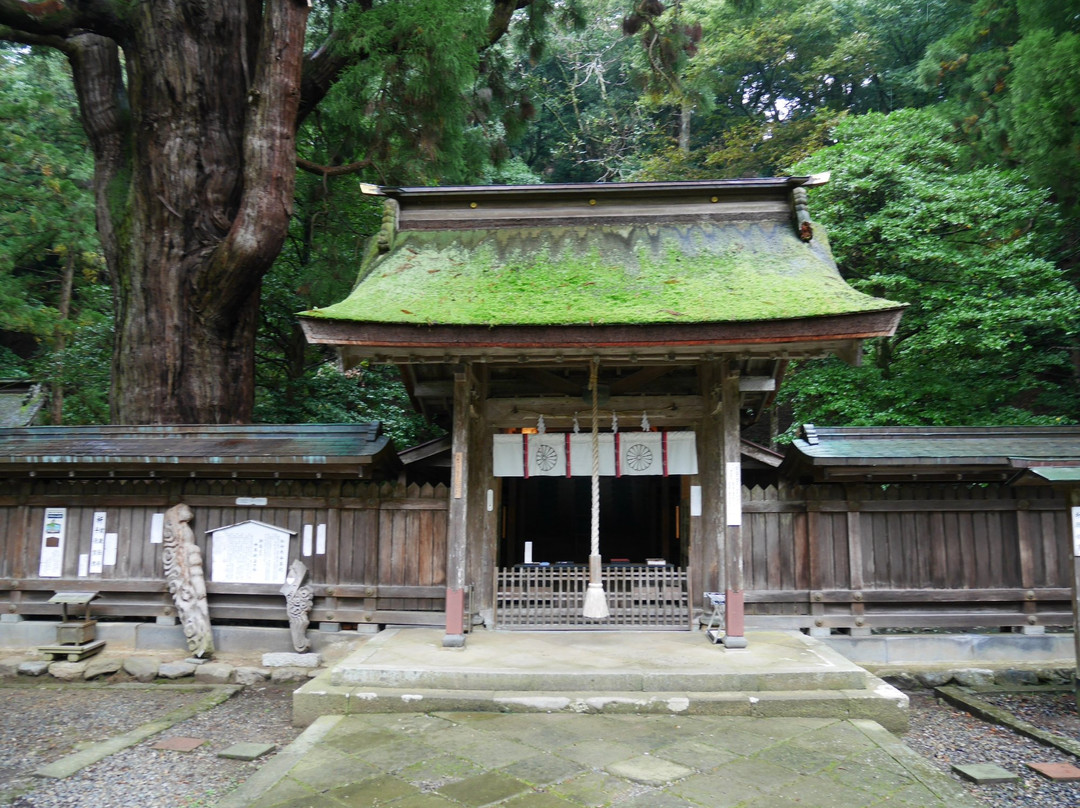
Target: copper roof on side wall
{"type": "Point", "coordinates": [352, 450]}
{"type": "Point", "coordinates": [825, 454]}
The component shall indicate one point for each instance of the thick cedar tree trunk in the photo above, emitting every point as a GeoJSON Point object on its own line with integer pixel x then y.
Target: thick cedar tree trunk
{"type": "Point", "coordinates": [194, 146]}
{"type": "Point", "coordinates": [207, 187]}
{"type": "Point", "coordinates": [194, 135]}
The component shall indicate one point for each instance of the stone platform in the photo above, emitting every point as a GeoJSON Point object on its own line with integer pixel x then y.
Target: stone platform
{"type": "Point", "coordinates": [780, 674]}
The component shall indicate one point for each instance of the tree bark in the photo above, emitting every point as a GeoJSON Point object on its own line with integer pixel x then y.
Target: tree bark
{"type": "Point", "coordinates": [194, 139]}
{"type": "Point", "coordinates": [194, 182]}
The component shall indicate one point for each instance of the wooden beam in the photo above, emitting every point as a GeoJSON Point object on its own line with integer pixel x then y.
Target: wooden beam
{"type": "Point", "coordinates": [635, 381]}
{"type": "Point", "coordinates": [553, 381]}
{"type": "Point", "coordinates": [505, 413]}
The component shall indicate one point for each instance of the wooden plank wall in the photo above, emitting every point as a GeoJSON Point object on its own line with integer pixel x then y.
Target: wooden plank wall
{"type": "Point", "coordinates": [906, 556]}
{"type": "Point", "coordinates": [384, 561]}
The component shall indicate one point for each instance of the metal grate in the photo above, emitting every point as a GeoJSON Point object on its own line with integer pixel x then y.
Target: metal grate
{"type": "Point", "coordinates": [639, 597]}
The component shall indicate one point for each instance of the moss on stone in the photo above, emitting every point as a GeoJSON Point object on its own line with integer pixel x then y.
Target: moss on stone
{"type": "Point", "coordinates": [705, 272]}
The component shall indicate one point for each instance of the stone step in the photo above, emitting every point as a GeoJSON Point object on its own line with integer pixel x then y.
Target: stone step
{"type": "Point", "coordinates": [623, 680]}
{"type": "Point", "coordinates": [876, 701]}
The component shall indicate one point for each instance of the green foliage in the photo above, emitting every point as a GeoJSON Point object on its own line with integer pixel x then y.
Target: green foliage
{"type": "Point", "coordinates": [769, 86]}
{"type": "Point", "coordinates": [913, 217]}
{"type": "Point", "coordinates": [586, 125]}
{"type": "Point", "coordinates": [47, 228]}
{"type": "Point", "coordinates": [1012, 67]}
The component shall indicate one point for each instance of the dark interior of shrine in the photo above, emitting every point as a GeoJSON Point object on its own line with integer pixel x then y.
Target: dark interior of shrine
{"type": "Point", "coordinates": [639, 519]}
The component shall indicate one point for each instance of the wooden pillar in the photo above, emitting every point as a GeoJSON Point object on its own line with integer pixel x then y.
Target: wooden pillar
{"type": "Point", "coordinates": [458, 517]}
{"type": "Point", "coordinates": [707, 502]}
{"type": "Point", "coordinates": [483, 522]}
{"type": "Point", "coordinates": [730, 435]}
{"type": "Point", "coordinates": [855, 564]}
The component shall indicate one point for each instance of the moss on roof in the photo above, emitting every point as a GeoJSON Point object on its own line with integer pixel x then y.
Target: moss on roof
{"type": "Point", "coordinates": [601, 275]}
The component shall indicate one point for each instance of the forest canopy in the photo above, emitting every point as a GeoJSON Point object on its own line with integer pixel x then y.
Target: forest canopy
{"type": "Point", "coordinates": [950, 127]}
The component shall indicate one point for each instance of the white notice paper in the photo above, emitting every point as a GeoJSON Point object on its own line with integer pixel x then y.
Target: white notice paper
{"type": "Point", "coordinates": [320, 540]}
{"type": "Point", "coordinates": [97, 543]}
{"type": "Point", "coordinates": [249, 553]}
{"type": "Point", "coordinates": [110, 549]}
{"type": "Point", "coordinates": [733, 493]}
{"type": "Point", "coordinates": [157, 528]}
{"type": "Point", "coordinates": [51, 564]}
{"type": "Point", "coordinates": [695, 500]}
{"type": "Point", "coordinates": [1076, 530]}
{"type": "Point", "coordinates": [305, 548]}
{"type": "Point", "coordinates": [84, 564]}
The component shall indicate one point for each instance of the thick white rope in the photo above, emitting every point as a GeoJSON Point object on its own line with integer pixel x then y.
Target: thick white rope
{"type": "Point", "coordinates": [595, 606]}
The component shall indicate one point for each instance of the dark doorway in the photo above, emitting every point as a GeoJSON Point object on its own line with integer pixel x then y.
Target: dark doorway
{"type": "Point", "coordinates": [639, 519]}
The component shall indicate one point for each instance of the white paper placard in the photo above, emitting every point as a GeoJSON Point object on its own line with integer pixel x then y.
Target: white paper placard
{"type": "Point", "coordinates": [84, 564]}
{"type": "Point", "coordinates": [320, 540]}
{"type": "Point", "coordinates": [249, 553]}
{"type": "Point", "coordinates": [528, 552]}
{"type": "Point", "coordinates": [1076, 530]}
{"type": "Point", "coordinates": [695, 500]}
{"type": "Point", "coordinates": [157, 528]}
{"type": "Point", "coordinates": [51, 564]}
{"type": "Point", "coordinates": [733, 494]}
{"type": "Point", "coordinates": [97, 543]}
{"type": "Point", "coordinates": [111, 540]}
{"type": "Point", "coordinates": [305, 545]}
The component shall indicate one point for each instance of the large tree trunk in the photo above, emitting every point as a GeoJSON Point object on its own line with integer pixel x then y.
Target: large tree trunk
{"type": "Point", "coordinates": [194, 187]}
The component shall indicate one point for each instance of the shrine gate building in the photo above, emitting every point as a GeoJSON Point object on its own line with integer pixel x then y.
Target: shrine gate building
{"type": "Point", "coordinates": [665, 313]}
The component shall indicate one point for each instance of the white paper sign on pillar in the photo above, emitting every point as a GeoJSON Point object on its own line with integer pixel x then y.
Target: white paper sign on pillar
{"type": "Point", "coordinates": [733, 493]}
{"type": "Point", "coordinates": [97, 543]}
{"type": "Point", "coordinates": [1076, 530]}
{"type": "Point", "coordinates": [51, 564]}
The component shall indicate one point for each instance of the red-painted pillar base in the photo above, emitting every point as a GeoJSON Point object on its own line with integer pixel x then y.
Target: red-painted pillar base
{"type": "Point", "coordinates": [455, 618]}
{"type": "Point", "coordinates": [735, 621]}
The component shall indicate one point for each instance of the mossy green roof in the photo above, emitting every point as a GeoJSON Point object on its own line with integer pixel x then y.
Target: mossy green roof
{"type": "Point", "coordinates": [601, 275]}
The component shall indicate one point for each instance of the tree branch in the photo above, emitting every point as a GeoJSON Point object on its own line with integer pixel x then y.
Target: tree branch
{"type": "Point", "coordinates": [324, 66]}
{"type": "Point", "coordinates": [332, 171]}
{"type": "Point", "coordinates": [262, 221]}
{"type": "Point", "coordinates": [57, 18]}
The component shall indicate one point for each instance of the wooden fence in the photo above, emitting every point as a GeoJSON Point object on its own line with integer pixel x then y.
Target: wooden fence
{"type": "Point", "coordinates": [906, 556]}
{"type": "Point", "coordinates": [382, 559]}
{"type": "Point", "coordinates": [827, 557]}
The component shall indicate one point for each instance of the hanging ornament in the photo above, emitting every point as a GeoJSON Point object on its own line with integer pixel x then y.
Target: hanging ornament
{"type": "Point", "coordinates": [577, 426]}
{"type": "Point", "coordinates": [614, 422]}
{"type": "Point", "coordinates": [644, 422]}
{"type": "Point", "coordinates": [541, 427]}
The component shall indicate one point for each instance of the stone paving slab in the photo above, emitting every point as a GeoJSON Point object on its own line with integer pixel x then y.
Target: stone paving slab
{"type": "Point", "coordinates": [560, 760]}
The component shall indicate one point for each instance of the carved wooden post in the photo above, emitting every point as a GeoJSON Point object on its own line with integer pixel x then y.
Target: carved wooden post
{"type": "Point", "coordinates": [182, 559]}
{"type": "Point", "coordinates": [298, 601]}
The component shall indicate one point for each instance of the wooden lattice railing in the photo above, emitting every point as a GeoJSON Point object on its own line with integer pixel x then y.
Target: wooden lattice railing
{"type": "Point", "coordinates": [639, 597]}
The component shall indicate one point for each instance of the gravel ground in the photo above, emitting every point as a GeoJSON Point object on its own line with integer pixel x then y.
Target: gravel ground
{"type": "Point", "coordinates": [40, 723]}
{"type": "Point", "coordinates": [947, 736]}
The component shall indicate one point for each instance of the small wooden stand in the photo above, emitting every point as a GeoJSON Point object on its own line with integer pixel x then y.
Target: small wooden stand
{"type": "Point", "coordinates": [75, 639]}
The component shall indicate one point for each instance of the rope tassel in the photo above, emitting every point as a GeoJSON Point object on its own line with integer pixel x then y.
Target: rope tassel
{"type": "Point", "coordinates": [596, 607]}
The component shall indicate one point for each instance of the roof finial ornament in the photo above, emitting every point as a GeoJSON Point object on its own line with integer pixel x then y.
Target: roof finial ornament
{"type": "Point", "coordinates": [802, 214]}
{"type": "Point", "coordinates": [385, 239]}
